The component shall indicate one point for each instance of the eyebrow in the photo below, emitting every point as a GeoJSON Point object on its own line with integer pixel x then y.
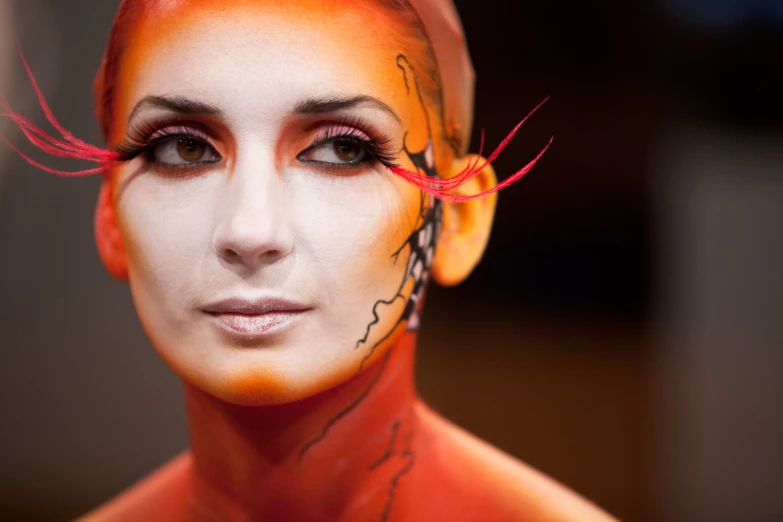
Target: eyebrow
{"type": "Point", "coordinates": [325, 105]}
{"type": "Point", "coordinates": [309, 106]}
{"type": "Point", "coordinates": [177, 104]}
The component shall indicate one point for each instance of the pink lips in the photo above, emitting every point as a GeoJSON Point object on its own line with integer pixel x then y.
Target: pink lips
{"type": "Point", "coordinates": [250, 319]}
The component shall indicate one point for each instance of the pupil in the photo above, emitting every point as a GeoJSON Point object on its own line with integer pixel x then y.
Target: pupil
{"type": "Point", "coordinates": [190, 149]}
{"type": "Point", "coordinates": [346, 150]}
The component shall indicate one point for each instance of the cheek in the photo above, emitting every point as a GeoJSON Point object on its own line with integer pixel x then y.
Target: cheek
{"type": "Point", "coordinates": [165, 227]}
{"type": "Point", "coordinates": [352, 227]}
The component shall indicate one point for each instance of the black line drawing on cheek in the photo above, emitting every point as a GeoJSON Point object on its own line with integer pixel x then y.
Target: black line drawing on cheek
{"type": "Point", "coordinates": [421, 251]}
{"type": "Point", "coordinates": [422, 240]}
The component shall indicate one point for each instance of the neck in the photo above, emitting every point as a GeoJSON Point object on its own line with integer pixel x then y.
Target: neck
{"type": "Point", "coordinates": [316, 459]}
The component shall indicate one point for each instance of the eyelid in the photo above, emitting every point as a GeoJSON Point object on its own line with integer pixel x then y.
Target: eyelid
{"type": "Point", "coordinates": [189, 166]}
{"type": "Point", "coordinates": [344, 124]}
{"type": "Point", "coordinates": [378, 148]}
{"type": "Point", "coordinates": [341, 130]}
{"type": "Point", "coordinates": [174, 130]}
{"type": "Point", "coordinates": [146, 134]}
{"type": "Point", "coordinates": [331, 131]}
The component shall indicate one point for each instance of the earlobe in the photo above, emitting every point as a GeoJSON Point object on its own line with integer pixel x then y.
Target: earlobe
{"type": "Point", "coordinates": [107, 233]}
{"type": "Point", "coordinates": [466, 226]}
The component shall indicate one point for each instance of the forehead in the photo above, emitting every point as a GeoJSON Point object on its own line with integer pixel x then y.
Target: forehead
{"type": "Point", "coordinates": [243, 51]}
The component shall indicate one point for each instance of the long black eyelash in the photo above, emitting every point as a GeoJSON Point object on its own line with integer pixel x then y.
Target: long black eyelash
{"type": "Point", "coordinates": [142, 139]}
{"type": "Point", "coordinates": [379, 146]}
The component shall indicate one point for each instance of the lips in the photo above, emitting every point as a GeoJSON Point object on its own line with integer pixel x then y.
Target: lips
{"type": "Point", "coordinates": [254, 318]}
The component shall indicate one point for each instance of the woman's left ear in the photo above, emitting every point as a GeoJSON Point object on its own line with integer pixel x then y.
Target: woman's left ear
{"type": "Point", "coordinates": [107, 233]}
{"type": "Point", "coordinates": [466, 226]}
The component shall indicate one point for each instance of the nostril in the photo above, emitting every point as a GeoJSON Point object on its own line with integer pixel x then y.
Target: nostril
{"type": "Point", "coordinates": [231, 256]}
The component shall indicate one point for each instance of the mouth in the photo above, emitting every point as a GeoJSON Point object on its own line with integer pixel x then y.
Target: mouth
{"type": "Point", "coordinates": [249, 319]}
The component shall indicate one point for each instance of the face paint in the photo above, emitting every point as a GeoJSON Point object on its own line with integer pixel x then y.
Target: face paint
{"type": "Point", "coordinates": [286, 196]}
{"type": "Point", "coordinates": [420, 244]}
{"type": "Point", "coordinates": [251, 177]}
{"type": "Point", "coordinates": [188, 132]}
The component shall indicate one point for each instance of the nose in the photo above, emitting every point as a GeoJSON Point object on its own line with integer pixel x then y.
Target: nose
{"type": "Point", "coordinates": [253, 229]}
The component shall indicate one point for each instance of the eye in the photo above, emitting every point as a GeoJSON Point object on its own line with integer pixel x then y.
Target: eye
{"type": "Point", "coordinates": [348, 151]}
{"type": "Point", "coordinates": [183, 150]}
{"type": "Point", "coordinates": [337, 151]}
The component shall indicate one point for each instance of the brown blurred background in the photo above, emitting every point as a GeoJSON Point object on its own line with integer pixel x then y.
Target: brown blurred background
{"type": "Point", "coordinates": [623, 333]}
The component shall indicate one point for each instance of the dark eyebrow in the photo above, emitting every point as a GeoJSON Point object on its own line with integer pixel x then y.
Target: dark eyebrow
{"type": "Point", "coordinates": [177, 104]}
{"type": "Point", "coordinates": [324, 105]}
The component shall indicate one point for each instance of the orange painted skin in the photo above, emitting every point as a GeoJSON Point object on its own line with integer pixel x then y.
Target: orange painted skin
{"type": "Point", "coordinates": [320, 422]}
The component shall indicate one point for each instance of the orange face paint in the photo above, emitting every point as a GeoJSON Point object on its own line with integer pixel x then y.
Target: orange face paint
{"type": "Point", "coordinates": [335, 431]}
{"type": "Point", "coordinates": [357, 245]}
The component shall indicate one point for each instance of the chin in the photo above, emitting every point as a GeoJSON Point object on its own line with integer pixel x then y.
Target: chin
{"type": "Point", "coordinates": [257, 388]}
{"type": "Point", "coordinates": [256, 383]}
{"type": "Point", "coordinates": [276, 371]}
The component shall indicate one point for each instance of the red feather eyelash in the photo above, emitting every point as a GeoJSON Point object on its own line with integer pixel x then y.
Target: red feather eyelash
{"type": "Point", "coordinates": [68, 147]}
{"type": "Point", "coordinates": [442, 188]}
{"type": "Point", "coordinates": [71, 147]}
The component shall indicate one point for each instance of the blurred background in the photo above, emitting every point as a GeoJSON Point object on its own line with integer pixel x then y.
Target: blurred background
{"type": "Point", "coordinates": [623, 333]}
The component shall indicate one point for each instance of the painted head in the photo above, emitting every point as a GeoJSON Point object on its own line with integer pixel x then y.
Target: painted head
{"type": "Point", "coordinates": [270, 198]}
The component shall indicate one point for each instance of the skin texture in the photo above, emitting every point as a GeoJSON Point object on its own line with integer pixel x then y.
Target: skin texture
{"type": "Point", "coordinates": [318, 420]}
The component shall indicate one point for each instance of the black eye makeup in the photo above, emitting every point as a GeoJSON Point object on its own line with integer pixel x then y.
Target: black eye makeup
{"type": "Point", "coordinates": [169, 144]}
{"type": "Point", "coordinates": [345, 144]}
{"type": "Point", "coordinates": [342, 143]}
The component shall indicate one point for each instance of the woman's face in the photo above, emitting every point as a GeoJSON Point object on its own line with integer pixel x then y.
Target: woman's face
{"type": "Point", "coordinates": [271, 254]}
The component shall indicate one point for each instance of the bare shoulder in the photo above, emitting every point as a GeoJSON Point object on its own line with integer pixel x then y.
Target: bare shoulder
{"type": "Point", "coordinates": [521, 492]}
{"type": "Point", "coordinates": [162, 495]}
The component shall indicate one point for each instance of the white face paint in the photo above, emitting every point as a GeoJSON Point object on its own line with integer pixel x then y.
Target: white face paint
{"type": "Point", "coordinates": [257, 269]}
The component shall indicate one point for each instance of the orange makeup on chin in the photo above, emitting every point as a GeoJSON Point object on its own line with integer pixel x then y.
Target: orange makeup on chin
{"type": "Point", "coordinates": [268, 219]}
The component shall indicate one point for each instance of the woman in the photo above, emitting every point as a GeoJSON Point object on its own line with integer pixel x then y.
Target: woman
{"type": "Point", "coordinates": [278, 177]}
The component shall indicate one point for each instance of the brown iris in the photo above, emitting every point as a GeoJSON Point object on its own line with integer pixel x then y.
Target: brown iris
{"type": "Point", "coordinates": [191, 150]}
{"type": "Point", "coordinates": [348, 151]}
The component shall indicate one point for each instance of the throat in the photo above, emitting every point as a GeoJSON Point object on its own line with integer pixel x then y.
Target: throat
{"type": "Point", "coordinates": [338, 455]}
